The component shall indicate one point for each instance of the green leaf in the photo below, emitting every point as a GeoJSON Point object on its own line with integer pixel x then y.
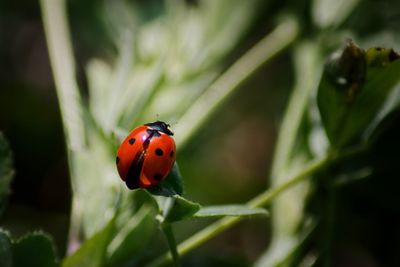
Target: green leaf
{"type": "Point", "coordinates": [5, 250]}
{"type": "Point", "coordinates": [95, 182]}
{"type": "Point", "coordinates": [92, 252]}
{"type": "Point", "coordinates": [170, 186]}
{"type": "Point", "coordinates": [353, 89]}
{"type": "Point", "coordinates": [179, 208]}
{"type": "Point", "coordinates": [385, 117]}
{"type": "Point", "coordinates": [229, 210]}
{"type": "Point", "coordinates": [384, 72]}
{"type": "Point", "coordinates": [34, 250]}
{"type": "Point", "coordinates": [131, 238]}
{"type": "Point", "coordinates": [6, 171]}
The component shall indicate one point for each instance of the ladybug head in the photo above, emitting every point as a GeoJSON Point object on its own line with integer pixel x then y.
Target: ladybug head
{"type": "Point", "coordinates": [160, 126]}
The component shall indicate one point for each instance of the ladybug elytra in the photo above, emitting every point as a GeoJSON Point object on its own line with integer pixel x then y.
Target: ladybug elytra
{"type": "Point", "coordinates": [147, 155]}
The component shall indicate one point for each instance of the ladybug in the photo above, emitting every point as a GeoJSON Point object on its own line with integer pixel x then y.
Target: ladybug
{"type": "Point", "coordinates": [147, 155]}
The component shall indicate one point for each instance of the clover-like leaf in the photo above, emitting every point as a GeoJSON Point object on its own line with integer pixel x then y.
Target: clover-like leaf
{"type": "Point", "coordinates": [35, 250]}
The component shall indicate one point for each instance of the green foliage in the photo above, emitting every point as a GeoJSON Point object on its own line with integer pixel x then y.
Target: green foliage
{"type": "Point", "coordinates": [35, 249]}
{"type": "Point", "coordinates": [131, 239]}
{"type": "Point", "coordinates": [334, 178]}
{"type": "Point", "coordinates": [147, 70]}
{"type": "Point", "coordinates": [124, 92]}
{"type": "Point", "coordinates": [127, 234]}
{"type": "Point", "coordinates": [92, 252]}
{"type": "Point", "coordinates": [167, 59]}
{"type": "Point", "coordinates": [163, 62]}
{"type": "Point", "coordinates": [353, 89]}
{"type": "Point", "coordinates": [176, 208]}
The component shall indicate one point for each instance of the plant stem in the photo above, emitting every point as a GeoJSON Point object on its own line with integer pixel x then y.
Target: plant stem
{"type": "Point", "coordinates": [263, 199]}
{"type": "Point", "coordinates": [167, 229]}
{"type": "Point", "coordinates": [306, 63]}
{"type": "Point", "coordinates": [200, 111]}
{"type": "Point", "coordinates": [307, 69]}
{"type": "Point", "coordinates": [62, 63]}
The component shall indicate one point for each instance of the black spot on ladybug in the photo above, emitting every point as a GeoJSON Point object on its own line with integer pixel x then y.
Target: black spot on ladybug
{"type": "Point", "coordinates": [117, 160]}
{"type": "Point", "coordinates": [171, 154]}
{"type": "Point", "coordinates": [159, 152]}
{"type": "Point", "coordinates": [132, 141]}
{"type": "Point", "coordinates": [158, 177]}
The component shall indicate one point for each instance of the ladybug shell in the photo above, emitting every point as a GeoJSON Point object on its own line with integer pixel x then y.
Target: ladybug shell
{"type": "Point", "coordinates": [145, 157]}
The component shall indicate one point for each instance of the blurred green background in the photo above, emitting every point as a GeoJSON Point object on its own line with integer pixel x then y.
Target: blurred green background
{"type": "Point", "coordinates": [234, 150]}
{"type": "Point", "coordinates": [240, 137]}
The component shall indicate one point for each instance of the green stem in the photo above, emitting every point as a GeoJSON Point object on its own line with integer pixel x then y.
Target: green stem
{"type": "Point", "coordinates": [306, 64]}
{"type": "Point", "coordinates": [62, 63]}
{"type": "Point", "coordinates": [167, 229]}
{"type": "Point", "coordinates": [263, 199]}
{"type": "Point", "coordinates": [200, 111]}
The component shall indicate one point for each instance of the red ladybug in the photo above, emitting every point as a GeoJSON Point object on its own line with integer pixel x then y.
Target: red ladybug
{"type": "Point", "coordinates": [147, 155]}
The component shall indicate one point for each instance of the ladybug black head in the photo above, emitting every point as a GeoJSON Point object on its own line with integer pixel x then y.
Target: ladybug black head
{"type": "Point", "coordinates": [160, 126]}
